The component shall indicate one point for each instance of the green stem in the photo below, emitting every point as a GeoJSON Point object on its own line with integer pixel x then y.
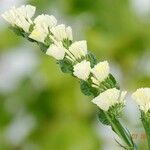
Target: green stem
{"type": "Point", "coordinates": [146, 124]}
{"type": "Point", "coordinates": [147, 130]}
{"type": "Point", "coordinates": [122, 133]}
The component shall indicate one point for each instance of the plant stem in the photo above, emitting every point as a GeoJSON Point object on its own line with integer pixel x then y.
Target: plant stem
{"type": "Point", "coordinates": [122, 133]}
{"type": "Point", "coordinates": [147, 130]}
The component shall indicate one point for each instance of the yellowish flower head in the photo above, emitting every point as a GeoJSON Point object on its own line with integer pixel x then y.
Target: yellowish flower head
{"type": "Point", "coordinates": [61, 32]}
{"type": "Point", "coordinates": [20, 16]}
{"type": "Point", "coordinates": [142, 98]}
{"type": "Point", "coordinates": [58, 52]}
{"type": "Point", "coordinates": [78, 49]}
{"type": "Point", "coordinates": [109, 98]}
{"type": "Point", "coordinates": [43, 23]}
{"type": "Point", "coordinates": [100, 71]}
{"type": "Point", "coordinates": [82, 70]}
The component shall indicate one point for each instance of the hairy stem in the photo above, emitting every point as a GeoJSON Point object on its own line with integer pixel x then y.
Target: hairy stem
{"type": "Point", "coordinates": [146, 124]}
{"type": "Point", "coordinates": [123, 134]}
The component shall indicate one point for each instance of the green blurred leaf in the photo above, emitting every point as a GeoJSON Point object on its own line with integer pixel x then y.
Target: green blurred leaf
{"type": "Point", "coordinates": [66, 66]}
{"type": "Point", "coordinates": [102, 117]}
{"type": "Point", "coordinates": [87, 89]}
{"type": "Point", "coordinates": [92, 58]}
{"type": "Point", "coordinates": [43, 47]}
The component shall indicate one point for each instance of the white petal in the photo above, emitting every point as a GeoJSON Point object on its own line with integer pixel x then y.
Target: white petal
{"type": "Point", "coordinates": [57, 52]}
{"type": "Point", "coordinates": [38, 34]}
{"type": "Point", "coordinates": [45, 21]}
{"type": "Point", "coordinates": [123, 94]}
{"type": "Point", "coordinates": [142, 97]}
{"type": "Point", "coordinates": [109, 98]}
{"type": "Point", "coordinates": [20, 16]}
{"type": "Point", "coordinates": [82, 70]}
{"type": "Point", "coordinates": [26, 11]}
{"type": "Point", "coordinates": [10, 16]}
{"type": "Point", "coordinates": [101, 71]}
{"type": "Point", "coordinates": [60, 32]}
{"type": "Point", "coordinates": [23, 23]}
{"type": "Point", "coordinates": [30, 11]}
{"type": "Point", "coordinates": [41, 28]}
{"type": "Point", "coordinates": [69, 33]}
{"type": "Point", "coordinates": [78, 49]}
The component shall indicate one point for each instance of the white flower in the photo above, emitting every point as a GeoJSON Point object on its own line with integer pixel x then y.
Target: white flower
{"type": "Point", "coordinates": [109, 98]}
{"type": "Point", "coordinates": [61, 32]}
{"type": "Point", "coordinates": [43, 23]}
{"type": "Point", "coordinates": [78, 49]}
{"type": "Point", "coordinates": [20, 16]}
{"type": "Point", "coordinates": [58, 52]}
{"type": "Point", "coordinates": [69, 33]}
{"type": "Point", "coordinates": [38, 34]}
{"type": "Point", "coordinates": [142, 97]}
{"type": "Point", "coordinates": [100, 72]}
{"type": "Point", "coordinates": [27, 11]}
{"type": "Point", "coordinates": [82, 70]}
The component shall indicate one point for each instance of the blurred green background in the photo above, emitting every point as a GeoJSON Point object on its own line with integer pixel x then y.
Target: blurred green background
{"type": "Point", "coordinates": [42, 108]}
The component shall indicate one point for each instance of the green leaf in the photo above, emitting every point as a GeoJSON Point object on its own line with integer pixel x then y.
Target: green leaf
{"type": "Point", "coordinates": [43, 47]}
{"type": "Point", "coordinates": [112, 81]}
{"type": "Point", "coordinates": [123, 133]}
{"type": "Point", "coordinates": [48, 41]}
{"type": "Point", "coordinates": [102, 117]}
{"type": "Point", "coordinates": [18, 31]}
{"type": "Point", "coordinates": [66, 66]}
{"type": "Point", "coordinates": [87, 89]}
{"type": "Point", "coordinates": [91, 57]}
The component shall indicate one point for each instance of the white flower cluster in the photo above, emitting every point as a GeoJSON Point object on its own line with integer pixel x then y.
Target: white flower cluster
{"type": "Point", "coordinates": [20, 17]}
{"type": "Point", "coordinates": [98, 74]}
{"type": "Point", "coordinates": [73, 57]}
{"type": "Point", "coordinates": [108, 98]}
{"type": "Point", "coordinates": [42, 25]}
{"type": "Point", "coordinates": [46, 25]}
{"type": "Point", "coordinates": [62, 47]}
{"type": "Point", "coordinates": [142, 98]}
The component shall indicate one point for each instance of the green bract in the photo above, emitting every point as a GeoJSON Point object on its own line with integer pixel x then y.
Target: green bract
{"type": "Point", "coordinates": [92, 58]}
{"type": "Point", "coordinates": [87, 89]}
{"type": "Point", "coordinates": [66, 66]}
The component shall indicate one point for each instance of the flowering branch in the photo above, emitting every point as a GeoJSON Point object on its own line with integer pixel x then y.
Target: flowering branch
{"type": "Point", "coordinates": [74, 58]}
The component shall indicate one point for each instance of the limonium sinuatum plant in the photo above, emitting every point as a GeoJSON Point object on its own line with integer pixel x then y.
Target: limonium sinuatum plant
{"type": "Point", "coordinates": [74, 58]}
